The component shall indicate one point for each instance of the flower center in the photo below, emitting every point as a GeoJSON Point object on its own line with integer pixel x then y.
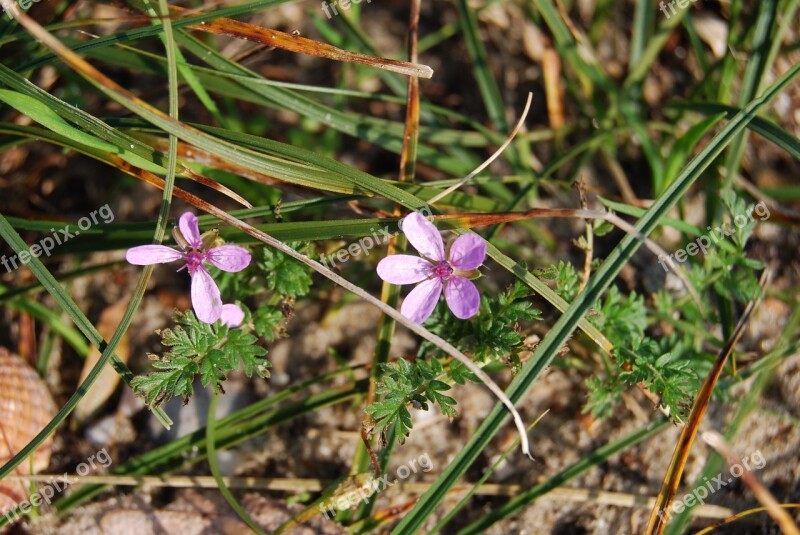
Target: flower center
{"type": "Point", "coordinates": [443, 270]}
{"type": "Point", "coordinates": [194, 260]}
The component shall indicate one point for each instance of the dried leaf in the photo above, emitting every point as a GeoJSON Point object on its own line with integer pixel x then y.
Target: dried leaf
{"type": "Point", "coordinates": [109, 379]}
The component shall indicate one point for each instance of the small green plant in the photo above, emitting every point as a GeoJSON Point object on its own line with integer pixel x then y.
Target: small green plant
{"type": "Point", "coordinates": [495, 334]}
{"type": "Point", "coordinates": [211, 351]}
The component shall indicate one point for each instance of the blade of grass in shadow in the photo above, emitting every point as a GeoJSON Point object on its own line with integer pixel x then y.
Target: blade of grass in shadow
{"type": "Point", "coordinates": [211, 453]}
{"type": "Point", "coordinates": [756, 70]}
{"type": "Point", "coordinates": [490, 93]}
{"type": "Point", "coordinates": [53, 318]}
{"type": "Point", "coordinates": [188, 74]}
{"type": "Point", "coordinates": [464, 501]}
{"type": "Point", "coordinates": [591, 460]}
{"type": "Point", "coordinates": [480, 60]}
{"type": "Point", "coordinates": [552, 343]}
{"type": "Point", "coordinates": [761, 126]}
{"type": "Point", "coordinates": [638, 71]}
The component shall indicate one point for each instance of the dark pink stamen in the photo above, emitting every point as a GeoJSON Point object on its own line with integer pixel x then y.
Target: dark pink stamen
{"type": "Point", "coordinates": [194, 260]}
{"type": "Point", "coordinates": [442, 270]}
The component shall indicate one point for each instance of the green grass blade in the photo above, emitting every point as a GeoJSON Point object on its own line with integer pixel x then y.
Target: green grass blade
{"type": "Point", "coordinates": [483, 73]}
{"type": "Point", "coordinates": [761, 126]}
{"type": "Point", "coordinates": [756, 70]}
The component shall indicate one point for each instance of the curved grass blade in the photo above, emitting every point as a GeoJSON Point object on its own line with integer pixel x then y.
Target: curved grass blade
{"type": "Point", "coordinates": [762, 494]}
{"type": "Point", "coordinates": [743, 514]}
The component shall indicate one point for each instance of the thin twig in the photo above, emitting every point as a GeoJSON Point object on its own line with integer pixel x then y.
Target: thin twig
{"type": "Point", "coordinates": [492, 158]}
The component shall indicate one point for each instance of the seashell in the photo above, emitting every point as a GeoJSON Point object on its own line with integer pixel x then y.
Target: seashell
{"type": "Point", "coordinates": [26, 407]}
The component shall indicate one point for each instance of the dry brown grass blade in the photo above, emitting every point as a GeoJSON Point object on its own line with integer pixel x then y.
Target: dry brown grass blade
{"type": "Point", "coordinates": [660, 513]}
{"type": "Point", "coordinates": [764, 496]}
{"type": "Point", "coordinates": [303, 45]}
{"type": "Point", "coordinates": [216, 186]}
{"type": "Point", "coordinates": [298, 485]}
{"type": "Point", "coordinates": [408, 156]}
{"type": "Point", "coordinates": [551, 69]}
{"type": "Point", "coordinates": [148, 177]}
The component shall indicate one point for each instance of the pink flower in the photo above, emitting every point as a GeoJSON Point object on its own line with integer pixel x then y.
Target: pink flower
{"type": "Point", "coordinates": [197, 250]}
{"type": "Point", "coordinates": [466, 254]}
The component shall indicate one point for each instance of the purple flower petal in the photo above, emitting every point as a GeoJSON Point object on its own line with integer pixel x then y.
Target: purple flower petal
{"type": "Point", "coordinates": [462, 297]}
{"type": "Point", "coordinates": [404, 269]}
{"type": "Point", "coordinates": [206, 301]}
{"type": "Point", "coordinates": [190, 228]}
{"type": "Point", "coordinates": [424, 236]}
{"type": "Point", "coordinates": [231, 315]}
{"type": "Point", "coordinates": [229, 257]}
{"type": "Point", "coordinates": [468, 252]}
{"type": "Point", "coordinates": [419, 304]}
{"type": "Point", "coordinates": [145, 255]}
